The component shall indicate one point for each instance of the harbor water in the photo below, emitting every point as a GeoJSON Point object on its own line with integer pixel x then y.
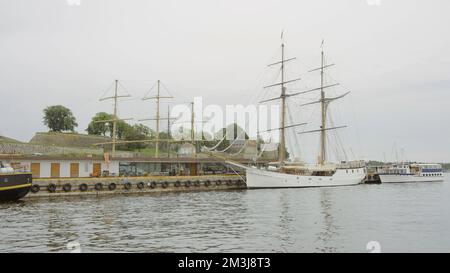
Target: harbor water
{"type": "Point", "coordinates": [395, 217]}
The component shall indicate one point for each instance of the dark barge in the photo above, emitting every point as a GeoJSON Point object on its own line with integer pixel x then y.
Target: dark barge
{"type": "Point", "coordinates": [13, 185]}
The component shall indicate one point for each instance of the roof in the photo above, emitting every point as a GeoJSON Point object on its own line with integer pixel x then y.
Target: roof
{"type": "Point", "coordinates": [122, 159]}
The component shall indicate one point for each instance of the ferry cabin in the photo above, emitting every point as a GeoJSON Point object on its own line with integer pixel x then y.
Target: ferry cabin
{"type": "Point", "coordinates": [424, 170]}
{"type": "Point", "coordinates": [428, 170]}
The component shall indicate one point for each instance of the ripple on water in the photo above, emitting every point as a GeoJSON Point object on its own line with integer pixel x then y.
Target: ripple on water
{"type": "Point", "coordinates": [412, 217]}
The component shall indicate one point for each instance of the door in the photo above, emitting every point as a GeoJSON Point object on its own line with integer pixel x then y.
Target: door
{"type": "Point", "coordinates": [97, 170]}
{"type": "Point", "coordinates": [36, 170]}
{"type": "Point", "coordinates": [55, 168]}
{"type": "Point", "coordinates": [194, 169]}
{"type": "Point", "coordinates": [74, 169]}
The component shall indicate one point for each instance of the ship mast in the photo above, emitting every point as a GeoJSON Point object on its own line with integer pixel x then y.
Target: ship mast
{"type": "Point", "coordinates": [283, 96]}
{"type": "Point", "coordinates": [323, 155]}
{"type": "Point", "coordinates": [324, 102]}
{"type": "Point", "coordinates": [168, 131]}
{"type": "Point", "coordinates": [114, 140]}
{"type": "Point", "coordinates": [115, 118]}
{"type": "Point", "coordinates": [282, 148]}
{"type": "Point", "coordinates": [158, 116]}
{"type": "Point", "coordinates": [157, 120]}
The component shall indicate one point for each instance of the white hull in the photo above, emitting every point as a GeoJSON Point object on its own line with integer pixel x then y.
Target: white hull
{"type": "Point", "coordinates": [257, 178]}
{"type": "Point", "coordinates": [397, 178]}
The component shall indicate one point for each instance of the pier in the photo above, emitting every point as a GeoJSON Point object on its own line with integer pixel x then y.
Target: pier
{"type": "Point", "coordinates": [59, 187]}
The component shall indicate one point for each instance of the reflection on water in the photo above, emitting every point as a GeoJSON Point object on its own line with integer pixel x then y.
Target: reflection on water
{"type": "Point", "coordinates": [403, 218]}
{"type": "Point", "coordinates": [329, 229]}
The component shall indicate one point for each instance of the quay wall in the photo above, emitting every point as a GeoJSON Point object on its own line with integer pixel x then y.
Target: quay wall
{"type": "Point", "coordinates": [58, 187]}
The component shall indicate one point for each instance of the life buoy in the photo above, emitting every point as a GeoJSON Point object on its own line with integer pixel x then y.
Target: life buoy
{"type": "Point", "coordinates": [98, 186]}
{"type": "Point", "coordinates": [35, 188]}
{"type": "Point", "coordinates": [51, 187]}
{"type": "Point", "coordinates": [165, 185]}
{"type": "Point", "coordinates": [218, 182]}
{"type": "Point", "coordinates": [153, 185]}
{"type": "Point", "coordinates": [83, 187]}
{"type": "Point", "coordinates": [230, 182]}
{"type": "Point", "coordinates": [127, 185]}
{"type": "Point", "coordinates": [112, 186]}
{"type": "Point", "coordinates": [187, 184]}
{"type": "Point", "coordinates": [197, 183]}
{"type": "Point", "coordinates": [177, 184]}
{"type": "Point", "coordinates": [140, 185]}
{"type": "Point", "coordinates": [67, 187]}
{"type": "Point", "coordinates": [207, 183]}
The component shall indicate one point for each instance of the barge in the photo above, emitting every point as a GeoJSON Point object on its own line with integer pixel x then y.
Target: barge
{"type": "Point", "coordinates": [13, 185]}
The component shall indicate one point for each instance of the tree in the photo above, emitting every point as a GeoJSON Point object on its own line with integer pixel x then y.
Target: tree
{"type": "Point", "coordinates": [96, 127]}
{"type": "Point", "coordinates": [163, 144]}
{"type": "Point", "coordinates": [122, 129]}
{"type": "Point", "coordinates": [59, 118]}
{"type": "Point", "coordinates": [137, 132]}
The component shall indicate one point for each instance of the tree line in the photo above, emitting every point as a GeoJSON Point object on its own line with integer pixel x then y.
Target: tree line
{"type": "Point", "coordinates": [61, 119]}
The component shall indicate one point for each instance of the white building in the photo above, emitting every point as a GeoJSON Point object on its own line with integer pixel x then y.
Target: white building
{"type": "Point", "coordinates": [46, 167]}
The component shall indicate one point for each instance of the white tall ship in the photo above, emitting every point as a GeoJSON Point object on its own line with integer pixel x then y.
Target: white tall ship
{"type": "Point", "coordinates": [411, 172]}
{"type": "Point", "coordinates": [287, 174]}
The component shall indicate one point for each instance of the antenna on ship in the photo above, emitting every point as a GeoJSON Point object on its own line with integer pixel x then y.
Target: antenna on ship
{"type": "Point", "coordinates": [115, 117]}
{"type": "Point", "coordinates": [158, 118]}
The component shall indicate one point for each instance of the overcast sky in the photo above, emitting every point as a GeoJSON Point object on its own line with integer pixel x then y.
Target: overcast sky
{"type": "Point", "coordinates": [394, 57]}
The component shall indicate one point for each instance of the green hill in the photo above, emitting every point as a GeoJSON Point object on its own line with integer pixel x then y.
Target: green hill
{"type": "Point", "coordinates": [68, 139]}
{"type": "Point", "coordinates": [4, 139]}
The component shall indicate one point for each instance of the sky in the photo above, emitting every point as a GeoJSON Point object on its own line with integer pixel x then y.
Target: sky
{"type": "Point", "coordinates": [393, 55]}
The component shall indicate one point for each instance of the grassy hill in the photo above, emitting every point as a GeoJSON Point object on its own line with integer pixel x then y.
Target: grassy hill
{"type": "Point", "coordinates": [4, 139]}
{"type": "Point", "coordinates": [67, 139]}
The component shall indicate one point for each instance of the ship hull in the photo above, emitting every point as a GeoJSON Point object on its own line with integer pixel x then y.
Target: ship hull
{"type": "Point", "coordinates": [257, 179]}
{"type": "Point", "coordinates": [14, 186]}
{"type": "Point", "coordinates": [393, 178]}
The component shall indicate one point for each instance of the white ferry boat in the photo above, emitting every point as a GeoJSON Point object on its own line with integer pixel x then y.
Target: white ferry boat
{"type": "Point", "coordinates": [403, 173]}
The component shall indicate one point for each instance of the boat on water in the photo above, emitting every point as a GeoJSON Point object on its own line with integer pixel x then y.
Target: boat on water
{"type": "Point", "coordinates": [291, 174]}
{"type": "Point", "coordinates": [332, 175]}
{"type": "Point", "coordinates": [411, 172]}
{"type": "Point", "coordinates": [14, 185]}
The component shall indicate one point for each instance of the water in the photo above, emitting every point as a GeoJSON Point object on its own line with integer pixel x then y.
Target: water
{"type": "Point", "coordinates": [400, 217]}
